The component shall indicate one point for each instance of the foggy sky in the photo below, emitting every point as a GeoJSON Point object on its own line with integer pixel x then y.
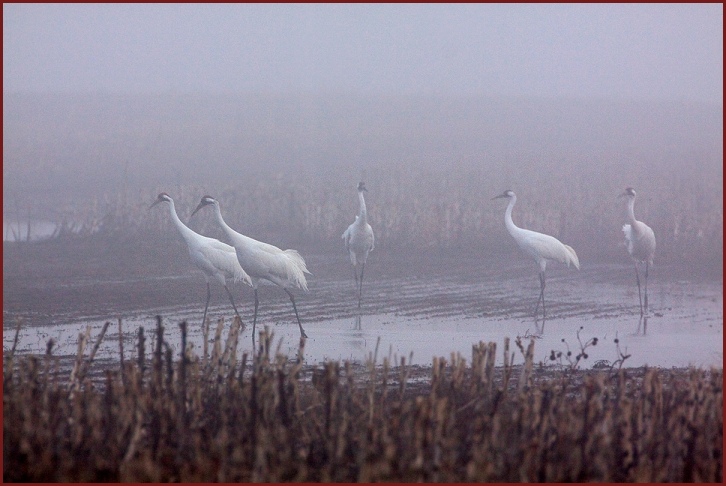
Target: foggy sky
{"type": "Point", "coordinates": [641, 52]}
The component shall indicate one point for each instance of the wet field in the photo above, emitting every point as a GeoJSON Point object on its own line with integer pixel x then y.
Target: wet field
{"type": "Point", "coordinates": [413, 307]}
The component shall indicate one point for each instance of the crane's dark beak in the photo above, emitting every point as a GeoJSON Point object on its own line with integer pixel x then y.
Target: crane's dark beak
{"type": "Point", "coordinates": [504, 194]}
{"type": "Point", "coordinates": [199, 206]}
{"type": "Point", "coordinates": [155, 203]}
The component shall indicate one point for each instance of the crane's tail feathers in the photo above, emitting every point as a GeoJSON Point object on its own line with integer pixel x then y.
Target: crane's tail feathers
{"type": "Point", "coordinates": [296, 272]}
{"type": "Point", "coordinates": [572, 257]}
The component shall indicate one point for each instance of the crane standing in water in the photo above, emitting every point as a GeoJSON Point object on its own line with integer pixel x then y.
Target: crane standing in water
{"type": "Point", "coordinates": [539, 246]}
{"type": "Point", "coordinates": [359, 241]}
{"type": "Point", "coordinates": [640, 242]}
{"type": "Point", "coordinates": [263, 261]}
{"type": "Point", "coordinates": [217, 260]}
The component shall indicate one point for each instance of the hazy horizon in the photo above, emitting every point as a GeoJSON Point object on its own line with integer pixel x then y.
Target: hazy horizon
{"type": "Point", "coordinates": [281, 109]}
{"type": "Point", "coordinates": [667, 52]}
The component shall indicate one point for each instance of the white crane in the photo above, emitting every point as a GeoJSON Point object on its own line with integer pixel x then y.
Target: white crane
{"type": "Point", "coordinates": [539, 246]}
{"type": "Point", "coordinates": [215, 259]}
{"type": "Point", "coordinates": [262, 261]}
{"type": "Point", "coordinates": [640, 241]}
{"type": "Point", "coordinates": [359, 240]}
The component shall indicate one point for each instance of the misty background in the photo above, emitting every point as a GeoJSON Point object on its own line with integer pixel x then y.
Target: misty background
{"type": "Point", "coordinates": [279, 110]}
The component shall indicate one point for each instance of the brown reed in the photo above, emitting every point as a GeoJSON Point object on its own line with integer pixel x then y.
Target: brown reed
{"type": "Point", "coordinates": [270, 418]}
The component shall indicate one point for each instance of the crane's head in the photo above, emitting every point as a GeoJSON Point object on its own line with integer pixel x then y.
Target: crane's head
{"type": "Point", "coordinates": [162, 197]}
{"type": "Point", "coordinates": [508, 194]}
{"type": "Point", "coordinates": [206, 201]}
{"type": "Point", "coordinates": [362, 187]}
{"type": "Point", "coordinates": [629, 192]}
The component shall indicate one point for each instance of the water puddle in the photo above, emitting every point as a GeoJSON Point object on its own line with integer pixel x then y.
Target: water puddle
{"type": "Point", "coordinates": [423, 318]}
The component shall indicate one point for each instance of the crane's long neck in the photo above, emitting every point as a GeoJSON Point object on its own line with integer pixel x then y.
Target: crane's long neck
{"type": "Point", "coordinates": [218, 214]}
{"type": "Point", "coordinates": [186, 233]}
{"type": "Point", "coordinates": [508, 222]}
{"type": "Point", "coordinates": [362, 212]}
{"type": "Point", "coordinates": [631, 211]}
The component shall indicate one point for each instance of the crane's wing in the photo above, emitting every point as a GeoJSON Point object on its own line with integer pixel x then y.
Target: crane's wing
{"type": "Point", "coordinates": [640, 241]}
{"type": "Point", "coordinates": [540, 245]}
{"type": "Point", "coordinates": [349, 232]}
{"type": "Point", "coordinates": [628, 231]}
{"type": "Point", "coordinates": [286, 268]}
{"type": "Point", "coordinates": [347, 235]}
{"type": "Point", "coordinates": [224, 258]}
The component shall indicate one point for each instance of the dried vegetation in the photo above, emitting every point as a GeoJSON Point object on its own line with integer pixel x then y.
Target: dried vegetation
{"type": "Point", "coordinates": [165, 416]}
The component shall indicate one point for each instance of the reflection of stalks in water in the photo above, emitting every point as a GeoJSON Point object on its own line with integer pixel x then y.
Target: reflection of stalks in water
{"type": "Point", "coordinates": [357, 323]}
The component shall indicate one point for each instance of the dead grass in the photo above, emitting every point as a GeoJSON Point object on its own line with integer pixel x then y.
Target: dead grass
{"type": "Point", "coordinates": [220, 417]}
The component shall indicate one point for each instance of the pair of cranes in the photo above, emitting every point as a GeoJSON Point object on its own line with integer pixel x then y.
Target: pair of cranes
{"type": "Point", "coordinates": [246, 260]}
{"type": "Point", "coordinates": [639, 240]}
{"type": "Point", "coordinates": [251, 261]}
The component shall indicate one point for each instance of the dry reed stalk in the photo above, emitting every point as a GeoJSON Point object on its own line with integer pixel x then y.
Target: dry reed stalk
{"type": "Point", "coordinates": [91, 357]}
{"type": "Point", "coordinates": [508, 365]}
{"type": "Point", "coordinates": [526, 373]}
{"type": "Point", "coordinates": [214, 360]}
{"type": "Point", "coordinates": [120, 343]}
{"type": "Point", "coordinates": [141, 355]}
{"type": "Point", "coordinates": [229, 358]}
{"type": "Point", "coordinates": [183, 362]}
{"type": "Point", "coordinates": [276, 426]}
{"type": "Point", "coordinates": [74, 380]}
{"type": "Point", "coordinates": [205, 336]}
{"type": "Point", "coordinates": [15, 339]}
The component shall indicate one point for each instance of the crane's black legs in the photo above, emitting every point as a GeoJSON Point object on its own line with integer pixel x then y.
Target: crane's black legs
{"type": "Point", "coordinates": [637, 279]}
{"type": "Point", "coordinates": [647, 264]}
{"type": "Point", "coordinates": [294, 307]}
{"type": "Point", "coordinates": [292, 299]}
{"type": "Point", "coordinates": [541, 298]}
{"type": "Point", "coordinates": [209, 294]}
{"type": "Point", "coordinates": [231, 299]}
{"type": "Point", "coordinates": [360, 286]}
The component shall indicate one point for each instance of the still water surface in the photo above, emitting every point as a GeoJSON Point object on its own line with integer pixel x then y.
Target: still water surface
{"type": "Point", "coordinates": [422, 316]}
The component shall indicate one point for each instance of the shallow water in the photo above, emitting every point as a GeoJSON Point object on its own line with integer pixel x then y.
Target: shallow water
{"type": "Point", "coordinates": [417, 312]}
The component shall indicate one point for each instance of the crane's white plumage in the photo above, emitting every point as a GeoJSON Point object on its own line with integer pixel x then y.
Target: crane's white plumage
{"type": "Point", "coordinates": [640, 242]}
{"type": "Point", "coordinates": [359, 240]}
{"type": "Point", "coordinates": [539, 246]}
{"type": "Point", "coordinates": [262, 261]}
{"type": "Point", "coordinates": [217, 260]}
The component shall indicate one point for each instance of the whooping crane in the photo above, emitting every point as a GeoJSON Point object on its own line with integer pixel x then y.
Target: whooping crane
{"type": "Point", "coordinates": [216, 259]}
{"type": "Point", "coordinates": [640, 241]}
{"type": "Point", "coordinates": [539, 246]}
{"type": "Point", "coordinates": [262, 261]}
{"type": "Point", "coordinates": [359, 240]}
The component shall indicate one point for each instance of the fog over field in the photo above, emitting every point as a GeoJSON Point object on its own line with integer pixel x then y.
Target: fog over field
{"type": "Point", "coordinates": [287, 166]}
{"type": "Point", "coordinates": [279, 110]}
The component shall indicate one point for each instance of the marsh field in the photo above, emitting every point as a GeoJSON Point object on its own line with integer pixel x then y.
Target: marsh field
{"type": "Point", "coordinates": [410, 388]}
